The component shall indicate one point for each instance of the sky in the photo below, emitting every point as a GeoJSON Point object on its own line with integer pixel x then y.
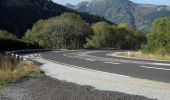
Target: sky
{"type": "Point", "coordinates": [157, 2]}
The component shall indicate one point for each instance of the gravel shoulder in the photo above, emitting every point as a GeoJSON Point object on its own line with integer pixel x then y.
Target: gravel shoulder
{"type": "Point", "coordinates": [42, 87]}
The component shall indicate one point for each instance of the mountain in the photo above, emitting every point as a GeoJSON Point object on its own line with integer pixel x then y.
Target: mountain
{"type": "Point", "coordinates": [17, 16]}
{"type": "Point", "coordinates": [138, 16]}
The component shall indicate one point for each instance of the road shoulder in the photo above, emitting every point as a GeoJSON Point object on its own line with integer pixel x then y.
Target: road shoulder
{"type": "Point", "coordinates": [105, 81]}
{"type": "Point", "coordinates": [42, 87]}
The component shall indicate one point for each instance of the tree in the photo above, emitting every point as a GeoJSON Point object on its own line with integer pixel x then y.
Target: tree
{"type": "Point", "coordinates": [17, 16]}
{"type": "Point", "coordinates": [112, 36]}
{"type": "Point", "coordinates": [6, 35]}
{"type": "Point", "coordinates": [125, 37]}
{"type": "Point", "coordinates": [65, 31]}
{"type": "Point", "coordinates": [31, 34]}
{"type": "Point", "coordinates": [9, 41]}
{"type": "Point", "coordinates": [159, 37]}
{"type": "Point", "coordinates": [103, 36]}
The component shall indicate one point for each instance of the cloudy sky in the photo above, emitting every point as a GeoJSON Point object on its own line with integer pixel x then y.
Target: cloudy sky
{"type": "Point", "coordinates": [158, 2]}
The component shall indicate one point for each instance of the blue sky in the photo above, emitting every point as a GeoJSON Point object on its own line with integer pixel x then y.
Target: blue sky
{"type": "Point", "coordinates": [158, 2]}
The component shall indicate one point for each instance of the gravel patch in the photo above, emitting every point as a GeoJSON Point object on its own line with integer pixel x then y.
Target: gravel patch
{"type": "Point", "coordinates": [41, 87]}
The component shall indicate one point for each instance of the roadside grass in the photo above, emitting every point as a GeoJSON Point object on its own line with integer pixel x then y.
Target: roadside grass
{"type": "Point", "coordinates": [10, 73]}
{"type": "Point", "coordinates": [139, 54]}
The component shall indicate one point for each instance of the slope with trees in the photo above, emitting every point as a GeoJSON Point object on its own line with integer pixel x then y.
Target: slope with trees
{"type": "Point", "coordinates": [70, 31]}
{"type": "Point", "coordinates": [19, 15]}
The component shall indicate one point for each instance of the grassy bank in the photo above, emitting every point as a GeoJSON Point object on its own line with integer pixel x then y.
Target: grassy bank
{"type": "Point", "coordinates": [11, 73]}
{"type": "Point", "coordinates": [139, 54]}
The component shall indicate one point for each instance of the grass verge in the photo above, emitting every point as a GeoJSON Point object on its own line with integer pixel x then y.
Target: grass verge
{"type": "Point", "coordinates": [22, 69]}
{"type": "Point", "coordinates": [139, 54]}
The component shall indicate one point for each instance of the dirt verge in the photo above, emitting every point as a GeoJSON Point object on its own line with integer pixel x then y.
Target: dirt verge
{"type": "Point", "coordinates": [41, 87]}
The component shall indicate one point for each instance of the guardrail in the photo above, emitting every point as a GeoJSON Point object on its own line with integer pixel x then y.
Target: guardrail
{"type": "Point", "coordinates": [17, 55]}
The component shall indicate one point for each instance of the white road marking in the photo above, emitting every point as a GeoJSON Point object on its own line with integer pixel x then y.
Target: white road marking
{"type": "Point", "coordinates": [112, 63]}
{"type": "Point", "coordinates": [84, 55]}
{"type": "Point", "coordinates": [90, 59]}
{"type": "Point", "coordinates": [158, 68]}
{"type": "Point", "coordinates": [67, 56]}
{"type": "Point", "coordinates": [162, 64]}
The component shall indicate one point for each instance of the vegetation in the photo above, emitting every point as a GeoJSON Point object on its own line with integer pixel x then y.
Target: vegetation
{"type": "Point", "coordinates": [19, 15]}
{"type": "Point", "coordinates": [6, 35]}
{"type": "Point", "coordinates": [9, 42]}
{"type": "Point", "coordinates": [65, 31]}
{"type": "Point", "coordinates": [102, 35]}
{"type": "Point", "coordinates": [70, 31]}
{"type": "Point", "coordinates": [111, 36]}
{"type": "Point", "coordinates": [158, 42]}
{"type": "Point", "coordinates": [11, 73]}
{"type": "Point", "coordinates": [159, 37]}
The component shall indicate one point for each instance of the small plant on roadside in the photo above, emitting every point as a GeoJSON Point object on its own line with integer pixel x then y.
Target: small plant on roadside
{"type": "Point", "coordinates": [11, 73]}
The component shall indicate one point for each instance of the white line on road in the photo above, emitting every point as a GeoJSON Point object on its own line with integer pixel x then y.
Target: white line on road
{"type": "Point", "coordinates": [162, 64]}
{"type": "Point", "coordinates": [112, 63]}
{"type": "Point", "coordinates": [90, 59]}
{"type": "Point", "coordinates": [83, 55]}
{"type": "Point", "coordinates": [155, 68]}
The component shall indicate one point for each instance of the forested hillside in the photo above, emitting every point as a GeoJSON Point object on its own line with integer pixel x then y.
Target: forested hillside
{"type": "Point", "coordinates": [70, 31]}
{"type": "Point", "coordinates": [43, 23]}
{"type": "Point", "coordinates": [16, 16]}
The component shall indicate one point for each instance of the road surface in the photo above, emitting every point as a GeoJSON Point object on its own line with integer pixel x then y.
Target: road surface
{"type": "Point", "coordinates": [102, 60]}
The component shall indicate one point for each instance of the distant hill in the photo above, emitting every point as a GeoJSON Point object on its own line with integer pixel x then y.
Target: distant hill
{"type": "Point", "coordinates": [17, 16]}
{"type": "Point", "coordinates": [138, 16]}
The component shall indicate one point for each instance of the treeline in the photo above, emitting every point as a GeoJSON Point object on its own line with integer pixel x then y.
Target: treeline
{"type": "Point", "coordinates": [9, 42]}
{"type": "Point", "coordinates": [112, 36]}
{"type": "Point", "coordinates": [159, 37]}
{"type": "Point", "coordinates": [70, 31]}
{"type": "Point", "coordinates": [19, 15]}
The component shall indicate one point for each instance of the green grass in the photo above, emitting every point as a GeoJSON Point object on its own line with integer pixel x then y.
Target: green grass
{"type": "Point", "coordinates": [139, 54]}
{"type": "Point", "coordinates": [9, 75]}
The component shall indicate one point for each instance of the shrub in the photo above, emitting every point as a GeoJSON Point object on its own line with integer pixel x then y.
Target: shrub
{"type": "Point", "coordinates": [159, 37]}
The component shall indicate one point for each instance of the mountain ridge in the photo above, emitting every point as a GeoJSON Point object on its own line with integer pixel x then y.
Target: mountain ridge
{"type": "Point", "coordinates": [124, 11]}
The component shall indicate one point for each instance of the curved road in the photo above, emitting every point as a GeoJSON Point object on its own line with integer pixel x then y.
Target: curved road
{"type": "Point", "coordinates": [102, 61]}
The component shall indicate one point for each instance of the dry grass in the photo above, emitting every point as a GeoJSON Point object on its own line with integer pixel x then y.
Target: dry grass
{"type": "Point", "coordinates": [7, 64]}
{"type": "Point", "coordinates": [10, 73]}
{"type": "Point", "coordinates": [139, 54]}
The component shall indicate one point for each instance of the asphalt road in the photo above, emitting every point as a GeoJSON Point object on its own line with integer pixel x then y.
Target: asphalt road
{"type": "Point", "coordinates": [102, 61]}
